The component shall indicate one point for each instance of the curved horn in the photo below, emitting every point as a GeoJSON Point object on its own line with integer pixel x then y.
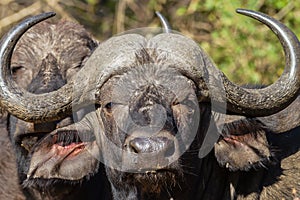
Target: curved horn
{"type": "Point", "coordinates": [285, 120]}
{"type": "Point", "coordinates": [275, 97]}
{"type": "Point", "coordinates": [20, 103]}
{"type": "Point", "coordinates": [164, 22]}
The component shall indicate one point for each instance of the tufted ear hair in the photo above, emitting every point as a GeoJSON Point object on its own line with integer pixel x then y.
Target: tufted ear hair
{"type": "Point", "coordinates": [242, 144]}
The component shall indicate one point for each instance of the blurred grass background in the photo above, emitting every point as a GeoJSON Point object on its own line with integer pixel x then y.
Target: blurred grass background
{"type": "Point", "coordinates": [245, 50]}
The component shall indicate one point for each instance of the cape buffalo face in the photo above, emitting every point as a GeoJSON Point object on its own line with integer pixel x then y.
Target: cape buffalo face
{"type": "Point", "coordinates": [150, 115]}
{"type": "Point", "coordinates": [51, 150]}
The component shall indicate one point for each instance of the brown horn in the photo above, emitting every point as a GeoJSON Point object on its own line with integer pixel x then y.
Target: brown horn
{"type": "Point", "coordinates": [277, 96]}
{"type": "Point", "coordinates": [20, 103]}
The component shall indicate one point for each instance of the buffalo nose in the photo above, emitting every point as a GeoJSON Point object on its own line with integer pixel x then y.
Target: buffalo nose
{"type": "Point", "coordinates": [152, 145]}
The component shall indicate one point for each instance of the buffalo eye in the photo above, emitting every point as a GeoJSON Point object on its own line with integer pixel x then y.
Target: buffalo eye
{"type": "Point", "coordinates": [175, 102]}
{"type": "Point", "coordinates": [16, 69]}
{"type": "Point", "coordinates": [108, 107]}
{"type": "Point", "coordinates": [19, 72]}
{"type": "Point", "coordinates": [97, 106]}
{"type": "Point", "coordinates": [74, 69]}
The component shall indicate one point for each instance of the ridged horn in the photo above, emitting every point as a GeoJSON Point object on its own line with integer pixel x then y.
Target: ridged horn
{"type": "Point", "coordinates": [277, 96]}
{"type": "Point", "coordinates": [19, 102]}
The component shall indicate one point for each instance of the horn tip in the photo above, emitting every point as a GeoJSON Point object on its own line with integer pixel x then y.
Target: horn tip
{"type": "Point", "coordinates": [158, 14]}
{"type": "Point", "coordinates": [49, 14]}
{"type": "Point", "coordinates": [243, 11]}
{"type": "Point", "coordinates": [38, 18]}
{"type": "Point", "coordinates": [164, 22]}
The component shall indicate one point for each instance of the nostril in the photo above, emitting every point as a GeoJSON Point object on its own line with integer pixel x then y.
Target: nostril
{"type": "Point", "coordinates": [170, 149]}
{"type": "Point", "coordinates": [134, 148]}
{"type": "Point", "coordinates": [140, 145]}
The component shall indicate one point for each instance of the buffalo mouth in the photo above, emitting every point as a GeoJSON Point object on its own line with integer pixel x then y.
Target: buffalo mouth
{"type": "Point", "coordinates": [63, 154]}
{"type": "Point", "coordinates": [152, 180]}
{"type": "Point", "coordinates": [160, 175]}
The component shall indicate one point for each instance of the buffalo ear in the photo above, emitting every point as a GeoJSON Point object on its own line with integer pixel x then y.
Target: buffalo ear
{"type": "Point", "coordinates": [285, 120]}
{"type": "Point", "coordinates": [243, 145]}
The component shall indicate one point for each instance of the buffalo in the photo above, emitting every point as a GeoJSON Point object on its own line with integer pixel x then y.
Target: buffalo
{"type": "Point", "coordinates": [131, 120]}
{"type": "Point", "coordinates": [261, 153]}
{"type": "Point", "coordinates": [45, 58]}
